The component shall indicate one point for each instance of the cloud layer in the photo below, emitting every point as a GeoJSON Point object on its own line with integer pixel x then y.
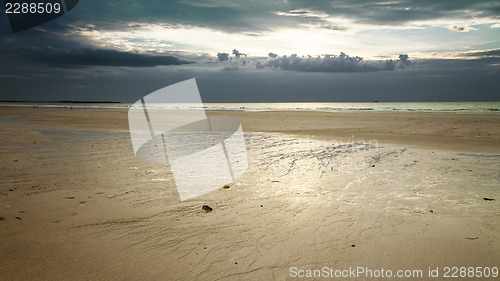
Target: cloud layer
{"type": "Point", "coordinates": [239, 16]}
{"type": "Point", "coordinates": [92, 57]}
{"type": "Point", "coordinates": [114, 47]}
{"type": "Point", "coordinates": [325, 63]}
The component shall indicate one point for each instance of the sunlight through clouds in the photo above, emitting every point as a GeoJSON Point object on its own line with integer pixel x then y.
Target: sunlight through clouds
{"type": "Point", "coordinates": [301, 40]}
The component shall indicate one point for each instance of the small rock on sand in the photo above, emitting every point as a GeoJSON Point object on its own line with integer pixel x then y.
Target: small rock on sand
{"type": "Point", "coordinates": [226, 186]}
{"type": "Point", "coordinates": [2, 218]}
{"type": "Point", "coordinates": [207, 208]}
{"type": "Point", "coordinates": [488, 199]}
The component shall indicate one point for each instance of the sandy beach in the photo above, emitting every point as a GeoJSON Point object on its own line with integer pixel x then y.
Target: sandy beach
{"type": "Point", "coordinates": [398, 191]}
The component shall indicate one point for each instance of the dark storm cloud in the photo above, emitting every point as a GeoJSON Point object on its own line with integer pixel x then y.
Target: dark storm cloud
{"type": "Point", "coordinates": [92, 57]}
{"type": "Point", "coordinates": [116, 14]}
{"type": "Point", "coordinates": [222, 57]}
{"type": "Point", "coordinates": [54, 44]}
{"type": "Point", "coordinates": [401, 11]}
{"type": "Point", "coordinates": [484, 54]}
{"type": "Point", "coordinates": [484, 64]}
{"type": "Point", "coordinates": [436, 84]}
{"type": "Point", "coordinates": [251, 16]}
{"type": "Point", "coordinates": [482, 61]}
{"type": "Point", "coordinates": [326, 63]}
{"type": "Point", "coordinates": [425, 80]}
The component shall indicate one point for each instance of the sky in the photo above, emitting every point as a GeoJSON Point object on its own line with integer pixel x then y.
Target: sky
{"type": "Point", "coordinates": [258, 51]}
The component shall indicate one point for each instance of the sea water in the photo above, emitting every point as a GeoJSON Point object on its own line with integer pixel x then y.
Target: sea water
{"type": "Point", "coordinates": [451, 107]}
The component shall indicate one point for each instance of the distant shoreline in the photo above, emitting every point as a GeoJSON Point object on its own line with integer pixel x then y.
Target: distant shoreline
{"type": "Point", "coordinates": [62, 101]}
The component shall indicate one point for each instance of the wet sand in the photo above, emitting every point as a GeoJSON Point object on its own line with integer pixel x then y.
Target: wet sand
{"type": "Point", "coordinates": [348, 189]}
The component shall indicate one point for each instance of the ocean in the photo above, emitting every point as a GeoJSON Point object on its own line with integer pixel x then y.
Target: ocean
{"type": "Point", "coordinates": [444, 107]}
